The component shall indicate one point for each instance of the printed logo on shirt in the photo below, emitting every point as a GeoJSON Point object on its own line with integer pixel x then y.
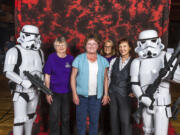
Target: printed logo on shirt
{"type": "Point", "coordinates": [67, 65]}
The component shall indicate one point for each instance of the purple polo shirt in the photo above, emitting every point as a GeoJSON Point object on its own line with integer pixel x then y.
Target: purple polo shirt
{"type": "Point", "coordinates": [59, 70]}
{"type": "Point", "coordinates": [110, 58]}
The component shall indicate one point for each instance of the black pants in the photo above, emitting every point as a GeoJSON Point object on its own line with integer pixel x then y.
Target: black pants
{"type": "Point", "coordinates": [120, 111]}
{"type": "Point", "coordinates": [104, 122]}
{"type": "Point", "coordinates": [60, 109]}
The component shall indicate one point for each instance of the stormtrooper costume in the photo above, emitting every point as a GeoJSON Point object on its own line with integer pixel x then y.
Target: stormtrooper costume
{"type": "Point", "coordinates": [27, 56]}
{"type": "Point", "coordinates": [144, 70]}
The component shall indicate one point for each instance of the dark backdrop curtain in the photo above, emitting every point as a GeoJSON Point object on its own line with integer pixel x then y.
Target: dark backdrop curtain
{"type": "Point", "coordinates": [114, 19]}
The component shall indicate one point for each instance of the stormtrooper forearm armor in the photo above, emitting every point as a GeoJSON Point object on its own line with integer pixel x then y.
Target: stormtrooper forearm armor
{"type": "Point", "coordinates": [137, 91]}
{"type": "Point", "coordinates": [14, 77]}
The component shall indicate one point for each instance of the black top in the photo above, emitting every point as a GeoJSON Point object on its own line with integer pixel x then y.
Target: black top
{"type": "Point", "coordinates": [120, 80]}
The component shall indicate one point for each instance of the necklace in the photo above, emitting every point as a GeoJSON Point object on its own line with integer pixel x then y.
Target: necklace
{"type": "Point", "coordinates": [92, 58]}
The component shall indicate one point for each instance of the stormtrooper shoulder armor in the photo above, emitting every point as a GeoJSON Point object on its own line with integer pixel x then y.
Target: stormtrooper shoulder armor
{"type": "Point", "coordinates": [11, 59]}
{"type": "Point", "coordinates": [134, 70]}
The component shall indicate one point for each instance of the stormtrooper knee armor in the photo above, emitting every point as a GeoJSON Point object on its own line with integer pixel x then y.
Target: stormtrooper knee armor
{"type": "Point", "coordinates": [144, 70]}
{"type": "Point", "coordinates": [26, 56]}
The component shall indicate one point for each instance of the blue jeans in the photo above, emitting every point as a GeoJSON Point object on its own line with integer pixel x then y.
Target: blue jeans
{"type": "Point", "coordinates": [91, 106]}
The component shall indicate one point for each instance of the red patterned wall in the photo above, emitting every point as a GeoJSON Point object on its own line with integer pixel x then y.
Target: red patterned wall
{"type": "Point", "coordinates": [73, 19]}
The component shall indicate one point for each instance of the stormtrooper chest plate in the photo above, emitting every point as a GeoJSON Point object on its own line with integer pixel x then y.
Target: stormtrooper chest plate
{"type": "Point", "coordinates": [149, 69]}
{"type": "Point", "coordinates": [31, 61]}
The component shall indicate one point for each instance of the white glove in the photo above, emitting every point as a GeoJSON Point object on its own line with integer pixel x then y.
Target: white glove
{"type": "Point", "coordinates": [150, 111]}
{"type": "Point", "coordinates": [26, 84]}
{"type": "Point", "coordinates": [146, 101]}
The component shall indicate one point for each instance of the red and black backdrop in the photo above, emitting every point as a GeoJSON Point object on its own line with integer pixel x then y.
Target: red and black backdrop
{"type": "Point", "coordinates": [74, 19]}
{"type": "Point", "coordinates": [113, 19]}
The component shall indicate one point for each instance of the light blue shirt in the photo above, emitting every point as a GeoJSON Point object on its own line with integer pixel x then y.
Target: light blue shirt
{"type": "Point", "coordinates": [82, 79]}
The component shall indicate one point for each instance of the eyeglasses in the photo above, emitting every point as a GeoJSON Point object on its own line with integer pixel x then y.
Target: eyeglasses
{"type": "Point", "coordinates": [92, 44]}
{"type": "Point", "coordinates": [107, 46]}
{"type": "Point", "coordinates": [58, 45]}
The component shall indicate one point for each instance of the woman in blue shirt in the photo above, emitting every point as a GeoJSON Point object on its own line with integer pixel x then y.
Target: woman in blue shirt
{"type": "Point", "coordinates": [88, 80]}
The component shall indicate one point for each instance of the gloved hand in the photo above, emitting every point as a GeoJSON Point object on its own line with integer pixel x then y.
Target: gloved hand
{"type": "Point", "coordinates": [145, 100]}
{"type": "Point", "coordinates": [163, 71]}
{"type": "Point", "coordinates": [26, 84]}
{"type": "Point", "coordinates": [150, 111]}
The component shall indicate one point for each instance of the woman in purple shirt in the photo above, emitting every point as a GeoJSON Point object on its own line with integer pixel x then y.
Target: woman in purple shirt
{"type": "Point", "coordinates": [57, 77]}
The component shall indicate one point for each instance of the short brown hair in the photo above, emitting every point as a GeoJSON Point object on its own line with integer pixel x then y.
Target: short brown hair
{"type": "Point", "coordinates": [132, 53]}
{"type": "Point", "coordinates": [60, 40]}
{"type": "Point", "coordinates": [91, 36]}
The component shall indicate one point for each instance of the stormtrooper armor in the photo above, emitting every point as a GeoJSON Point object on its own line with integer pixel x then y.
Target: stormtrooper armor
{"type": "Point", "coordinates": [27, 56]}
{"type": "Point", "coordinates": [144, 70]}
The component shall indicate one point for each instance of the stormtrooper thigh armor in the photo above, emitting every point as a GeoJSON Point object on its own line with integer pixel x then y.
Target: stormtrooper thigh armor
{"type": "Point", "coordinates": [24, 112]}
{"type": "Point", "coordinates": [156, 122]}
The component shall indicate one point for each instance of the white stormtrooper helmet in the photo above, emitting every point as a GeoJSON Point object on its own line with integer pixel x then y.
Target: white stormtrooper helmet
{"type": "Point", "coordinates": [149, 44]}
{"type": "Point", "coordinates": [29, 37]}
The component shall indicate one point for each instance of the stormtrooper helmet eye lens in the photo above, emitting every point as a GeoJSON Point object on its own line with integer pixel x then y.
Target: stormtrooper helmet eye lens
{"type": "Point", "coordinates": [154, 40]}
{"type": "Point", "coordinates": [36, 35]}
{"type": "Point", "coordinates": [27, 34]}
{"type": "Point", "coordinates": [143, 41]}
{"type": "Point", "coordinates": [154, 54]}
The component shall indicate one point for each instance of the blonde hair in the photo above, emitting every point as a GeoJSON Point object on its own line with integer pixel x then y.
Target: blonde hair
{"type": "Point", "coordinates": [113, 48]}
